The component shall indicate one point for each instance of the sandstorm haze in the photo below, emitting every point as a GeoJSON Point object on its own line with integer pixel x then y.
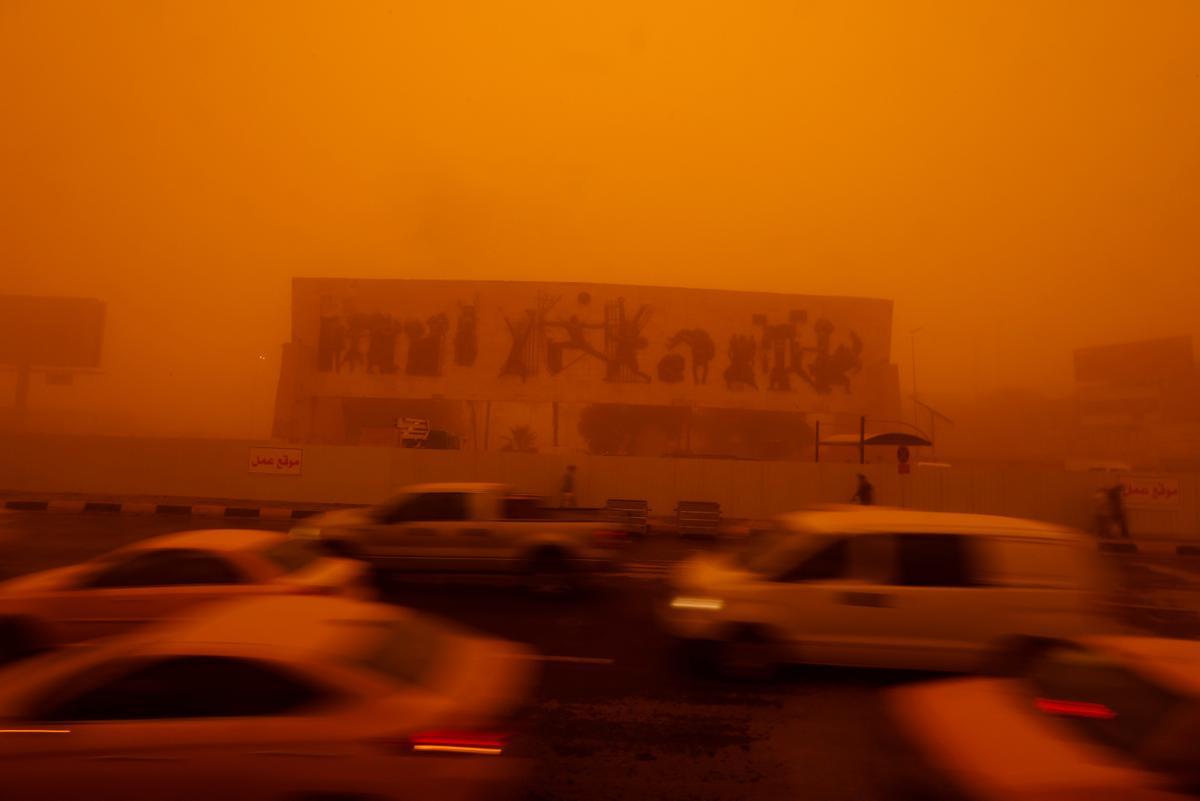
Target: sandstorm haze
{"type": "Point", "coordinates": [1022, 179]}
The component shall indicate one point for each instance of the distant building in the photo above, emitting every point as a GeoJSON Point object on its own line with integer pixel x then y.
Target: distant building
{"type": "Point", "coordinates": [581, 367]}
{"type": "Point", "coordinates": [1139, 402]}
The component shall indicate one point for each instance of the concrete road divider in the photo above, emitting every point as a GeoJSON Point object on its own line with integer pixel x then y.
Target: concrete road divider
{"type": "Point", "coordinates": [231, 512]}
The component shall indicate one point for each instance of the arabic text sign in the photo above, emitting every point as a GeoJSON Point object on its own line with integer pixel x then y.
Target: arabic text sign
{"type": "Point", "coordinates": [1151, 492]}
{"type": "Point", "coordinates": [413, 428]}
{"type": "Point", "coordinates": [276, 461]}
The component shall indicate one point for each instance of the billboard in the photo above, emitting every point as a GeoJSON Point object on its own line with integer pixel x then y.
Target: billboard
{"type": "Point", "coordinates": [594, 343]}
{"type": "Point", "coordinates": [50, 332]}
{"type": "Point", "coordinates": [1145, 363]}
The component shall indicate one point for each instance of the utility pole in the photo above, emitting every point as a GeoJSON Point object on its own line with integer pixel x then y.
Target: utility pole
{"type": "Point", "coordinates": [913, 339]}
{"type": "Point", "coordinates": [862, 439]}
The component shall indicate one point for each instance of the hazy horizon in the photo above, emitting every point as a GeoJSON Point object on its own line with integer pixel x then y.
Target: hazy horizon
{"type": "Point", "coordinates": [1020, 179]}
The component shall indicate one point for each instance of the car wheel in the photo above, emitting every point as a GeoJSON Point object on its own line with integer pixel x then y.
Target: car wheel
{"type": "Point", "coordinates": [550, 574]}
{"type": "Point", "coordinates": [695, 657]}
{"type": "Point", "coordinates": [18, 640]}
{"type": "Point", "coordinates": [747, 655]}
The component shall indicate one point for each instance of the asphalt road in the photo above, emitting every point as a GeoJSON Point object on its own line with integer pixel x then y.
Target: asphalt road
{"type": "Point", "coordinates": [615, 717]}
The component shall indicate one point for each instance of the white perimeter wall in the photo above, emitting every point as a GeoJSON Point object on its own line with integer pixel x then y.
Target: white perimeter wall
{"type": "Point", "coordinates": [195, 468]}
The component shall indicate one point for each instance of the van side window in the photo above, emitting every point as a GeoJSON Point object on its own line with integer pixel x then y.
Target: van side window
{"type": "Point", "coordinates": [873, 558]}
{"type": "Point", "coordinates": [934, 560]}
{"type": "Point", "coordinates": [829, 562]}
{"type": "Point", "coordinates": [1023, 562]}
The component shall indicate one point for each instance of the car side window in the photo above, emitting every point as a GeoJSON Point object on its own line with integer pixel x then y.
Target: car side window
{"type": "Point", "coordinates": [934, 560]}
{"type": "Point", "coordinates": [435, 506]}
{"type": "Point", "coordinates": [391, 512]}
{"type": "Point", "coordinates": [425, 507]}
{"type": "Point", "coordinates": [167, 568]}
{"type": "Point", "coordinates": [190, 687]}
{"type": "Point", "coordinates": [522, 508]}
{"type": "Point", "coordinates": [830, 561]}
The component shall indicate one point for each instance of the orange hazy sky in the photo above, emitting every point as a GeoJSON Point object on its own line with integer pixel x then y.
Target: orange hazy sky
{"type": "Point", "coordinates": [1022, 178]}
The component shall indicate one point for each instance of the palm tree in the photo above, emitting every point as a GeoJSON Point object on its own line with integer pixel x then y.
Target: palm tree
{"type": "Point", "coordinates": [520, 439]}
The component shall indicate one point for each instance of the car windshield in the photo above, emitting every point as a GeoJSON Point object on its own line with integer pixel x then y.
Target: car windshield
{"type": "Point", "coordinates": [389, 511]}
{"type": "Point", "coordinates": [401, 650]}
{"type": "Point", "coordinates": [1105, 700]}
{"type": "Point", "coordinates": [292, 554]}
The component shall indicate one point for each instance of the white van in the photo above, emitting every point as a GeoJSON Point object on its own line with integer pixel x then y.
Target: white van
{"type": "Point", "coordinates": [879, 587]}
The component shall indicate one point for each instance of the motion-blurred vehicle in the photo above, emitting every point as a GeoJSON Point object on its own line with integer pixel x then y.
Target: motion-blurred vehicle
{"type": "Point", "coordinates": [1093, 719]}
{"type": "Point", "coordinates": [160, 577]}
{"type": "Point", "coordinates": [470, 528]}
{"type": "Point", "coordinates": [881, 587]}
{"type": "Point", "coordinates": [281, 698]}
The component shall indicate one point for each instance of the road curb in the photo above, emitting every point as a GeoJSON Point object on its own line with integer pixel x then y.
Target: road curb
{"type": "Point", "coordinates": [239, 512]}
{"type": "Point", "coordinates": [1153, 549]}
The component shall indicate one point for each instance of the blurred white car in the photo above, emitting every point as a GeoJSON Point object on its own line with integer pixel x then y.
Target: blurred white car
{"type": "Point", "coordinates": [883, 587]}
{"type": "Point", "coordinates": [159, 577]}
{"type": "Point", "coordinates": [1095, 719]}
{"type": "Point", "coordinates": [472, 528]}
{"type": "Point", "coordinates": [280, 698]}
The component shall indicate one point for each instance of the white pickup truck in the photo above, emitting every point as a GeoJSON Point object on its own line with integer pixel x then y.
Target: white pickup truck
{"type": "Point", "coordinates": [470, 528]}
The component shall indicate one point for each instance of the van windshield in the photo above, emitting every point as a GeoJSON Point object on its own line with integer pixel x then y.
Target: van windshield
{"type": "Point", "coordinates": [774, 550]}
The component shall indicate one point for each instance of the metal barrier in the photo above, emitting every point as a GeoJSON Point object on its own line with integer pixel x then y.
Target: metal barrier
{"type": "Point", "coordinates": [698, 518]}
{"type": "Point", "coordinates": [629, 514]}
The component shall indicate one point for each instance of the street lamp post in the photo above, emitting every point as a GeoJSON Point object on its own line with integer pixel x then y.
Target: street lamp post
{"type": "Point", "coordinates": [913, 338]}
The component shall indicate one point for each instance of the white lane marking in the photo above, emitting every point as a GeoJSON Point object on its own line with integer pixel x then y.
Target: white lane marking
{"type": "Point", "coordinates": [572, 660]}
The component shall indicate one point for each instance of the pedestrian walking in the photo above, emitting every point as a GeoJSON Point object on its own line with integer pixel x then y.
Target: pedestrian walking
{"type": "Point", "coordinates": [1102, 520]}
{"type": "Point", "coordinates": [1116, 509]}
{"type": "Point", "coordinates": [568, 487]}
{"type": "Point", "coordinates": [865, 494]}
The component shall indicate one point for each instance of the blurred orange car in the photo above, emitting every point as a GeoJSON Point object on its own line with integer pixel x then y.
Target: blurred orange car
{"type": "Point", "coordinates": [160, 577]}
{"type": "Point", "coordinates": [1096, 719]}
{"type": "Point", "coordinates": [267, 698]}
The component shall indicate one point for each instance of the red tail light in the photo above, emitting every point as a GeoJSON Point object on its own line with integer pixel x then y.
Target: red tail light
{"type": "Point", "coordinates": [610, 538]}
{"type": "Point", "coordinates": [453, 741]}
{"type": "Point", "coordinates": [1074, 709]}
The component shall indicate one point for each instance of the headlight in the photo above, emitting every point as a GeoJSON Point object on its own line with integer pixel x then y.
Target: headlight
{"type": "Point", "coordinates": [691, 602]}
{"type": "Point", "coordinates": [307, 533]}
